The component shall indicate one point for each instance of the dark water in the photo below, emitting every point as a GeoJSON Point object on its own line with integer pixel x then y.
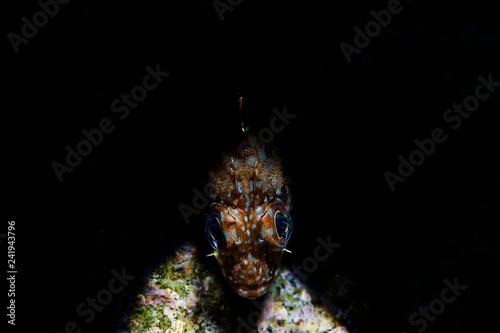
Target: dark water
{"type": "Point", "coordinates": [119, 206]}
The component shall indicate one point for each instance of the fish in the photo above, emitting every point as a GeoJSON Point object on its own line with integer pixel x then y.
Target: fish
{"type": "Point", "coordinates": [248, 223]}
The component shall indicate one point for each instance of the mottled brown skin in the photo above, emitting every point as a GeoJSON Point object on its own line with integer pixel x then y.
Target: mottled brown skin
{"type": "Point", "coordinates": [248, 190]}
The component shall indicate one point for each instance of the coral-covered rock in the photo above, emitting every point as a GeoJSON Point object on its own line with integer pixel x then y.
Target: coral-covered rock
{"type": "Point", "coordinates": [182, 295]}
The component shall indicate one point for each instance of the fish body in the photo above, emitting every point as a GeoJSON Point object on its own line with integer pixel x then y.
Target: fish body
{"type": "Point", "coordinates": [248, 225]}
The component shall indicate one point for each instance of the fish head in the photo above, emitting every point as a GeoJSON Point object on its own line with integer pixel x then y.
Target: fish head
{"type": "Point", "coordinates": [249, 243]}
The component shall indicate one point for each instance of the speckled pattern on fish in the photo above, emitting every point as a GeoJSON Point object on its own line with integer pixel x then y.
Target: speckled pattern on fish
{"type": "Point", "coordinates": [249, 225]}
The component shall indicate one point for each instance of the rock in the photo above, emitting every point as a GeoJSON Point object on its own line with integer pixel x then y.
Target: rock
{"type": "Point", "coordinates": [182, 295]}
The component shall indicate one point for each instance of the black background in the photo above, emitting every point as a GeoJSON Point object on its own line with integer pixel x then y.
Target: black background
{"type": "Point", "coordinates": [119, 207]}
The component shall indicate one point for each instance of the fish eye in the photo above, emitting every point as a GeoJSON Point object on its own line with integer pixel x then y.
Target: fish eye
{"type": "Point", "coordinates": [213, 232]}
{"type": "Point", "coordinates": [283, 225]}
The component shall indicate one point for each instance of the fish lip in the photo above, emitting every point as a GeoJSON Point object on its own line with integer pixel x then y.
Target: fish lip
{"type": "Point", "coordinates": [248, 287]}
{"type": "Point", "coordinates": [252, 293]}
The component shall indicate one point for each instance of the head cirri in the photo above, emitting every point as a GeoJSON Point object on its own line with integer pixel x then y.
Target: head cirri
{"type": "Point", "coordinates": [249, 225]}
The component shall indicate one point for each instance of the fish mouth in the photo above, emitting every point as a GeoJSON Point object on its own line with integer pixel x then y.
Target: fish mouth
{"type": "Point", "coordinates": [250, 276]}
{"type": "Point", "coordinates": [251, 291]}
{"type": "Point", "coordinates": [250, 286]}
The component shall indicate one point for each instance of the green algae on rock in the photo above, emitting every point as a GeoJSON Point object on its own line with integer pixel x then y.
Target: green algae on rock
{"type": "Point", "coordinates": [183, 295]}
{"type": "Point", "coordinates": [179, 296]}
{"type": "Point", "coordinates": [289, 307]}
